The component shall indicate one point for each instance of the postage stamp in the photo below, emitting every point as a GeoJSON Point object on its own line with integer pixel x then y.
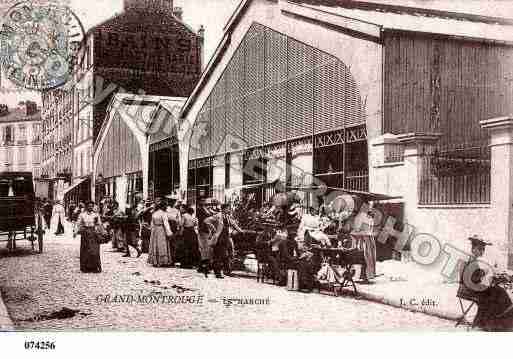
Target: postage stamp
{"type": "Point", "coordinates": [38, 44]}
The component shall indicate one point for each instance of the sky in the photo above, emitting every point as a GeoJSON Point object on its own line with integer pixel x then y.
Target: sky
{"type": "Point", "coordinates": [213, 15]}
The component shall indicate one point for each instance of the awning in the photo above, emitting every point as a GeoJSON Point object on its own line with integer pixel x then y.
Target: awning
{"type": "Point", "coordinates": [367, 196]}
{"type": "Point", "coordinates": [248, 186]}
{"type": "Point", "coordinates": [69, 189]}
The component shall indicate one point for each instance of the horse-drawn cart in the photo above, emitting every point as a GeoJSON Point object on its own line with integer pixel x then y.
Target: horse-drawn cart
{"type": "Point", "coordinates": [19, 216]}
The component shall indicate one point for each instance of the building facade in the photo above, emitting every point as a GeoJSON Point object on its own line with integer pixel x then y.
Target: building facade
{"type": "Point", "coordinates": [57, 140]}
{"type": "Point", "coordinates": [366, 97]}
{"type": "Point", "coordinates": [145, 50]}
{"type": "Point", "coordinates": [20, 141]}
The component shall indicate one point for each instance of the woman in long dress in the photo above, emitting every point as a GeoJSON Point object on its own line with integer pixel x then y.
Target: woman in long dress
{"type": "Point", "coordinates": [363, 239]}
{"type": "Point", "coordinates": [159, 251]}
{"type": "Point", "coordinates": [58, 213]}
{"type": "Point", "coordinates": [190, 238]}
{"type": "Point", "coordinates": [90, 261]}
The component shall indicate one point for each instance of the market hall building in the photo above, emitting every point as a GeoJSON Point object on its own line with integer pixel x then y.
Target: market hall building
{"type": "Point", "coordinates": [392, 100]}
{"type": "Point", "coordinates": [135, 147]}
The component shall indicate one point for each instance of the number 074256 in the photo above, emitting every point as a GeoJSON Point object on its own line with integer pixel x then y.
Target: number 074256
{"type": "Point", "coordinates": [43, 345]}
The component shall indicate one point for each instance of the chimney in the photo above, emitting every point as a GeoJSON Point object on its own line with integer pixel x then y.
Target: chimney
{"type": "Point", "coordinates": [4, 110]}
{"type": "Point", "coordinates": [30, 108]}
{"type": "Point", "coordinates": [149, 5]}
{"type": "Point", "coordinates": [178, 12]}
{"type": "Point", "coordinates": [201, 35]}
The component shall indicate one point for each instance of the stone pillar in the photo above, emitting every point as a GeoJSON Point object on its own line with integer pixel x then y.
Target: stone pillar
{"type": "Point", "coordinates": [416, 145]}
{"type": "Point", "coordinates": [501, 196]}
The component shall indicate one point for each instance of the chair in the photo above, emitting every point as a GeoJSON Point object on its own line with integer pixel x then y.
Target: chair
{"type": "Point", "coordinates": [464, 312]}
{"type": "Point", "coordinates": [465, 293]}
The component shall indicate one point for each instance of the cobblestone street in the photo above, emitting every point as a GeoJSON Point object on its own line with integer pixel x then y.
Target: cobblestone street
{"type": "Point", "coordinates": [36, 285]}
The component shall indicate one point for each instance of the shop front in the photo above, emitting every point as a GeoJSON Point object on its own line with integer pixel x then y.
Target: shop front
{"type": "Point", "coordinates": [164, 175]}
{"type": "Point", "coordinates": [78, 192]}
{"type": "Point", "coordinates": [164, 150]}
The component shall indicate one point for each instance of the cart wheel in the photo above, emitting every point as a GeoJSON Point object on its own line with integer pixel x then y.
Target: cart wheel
{"type": "Point", "coordinates": [9, 242]}
{"type": "Point", "coordinates": [40, 232]}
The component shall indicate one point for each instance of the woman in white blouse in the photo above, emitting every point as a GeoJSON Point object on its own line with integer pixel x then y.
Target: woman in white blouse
{"type": "Point", "coordinates": [90, 261]}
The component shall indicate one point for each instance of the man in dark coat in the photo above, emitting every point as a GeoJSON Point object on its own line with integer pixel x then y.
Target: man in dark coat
{"type": "Point", "coordinates": [222, 243]}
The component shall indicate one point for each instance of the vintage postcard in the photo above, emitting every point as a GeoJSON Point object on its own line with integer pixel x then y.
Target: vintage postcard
{"type": "Point", "coordinates": [256, 165]}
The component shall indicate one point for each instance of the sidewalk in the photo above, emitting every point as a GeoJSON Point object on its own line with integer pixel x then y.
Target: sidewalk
{"type": "Point", "coordinates": [410, 286]}
{"type": "Point", "coordinates": [5, 320]}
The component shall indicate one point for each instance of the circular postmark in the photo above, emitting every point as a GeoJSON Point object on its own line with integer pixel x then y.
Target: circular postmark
{"type": "Point", "coordinates": [39, 44]}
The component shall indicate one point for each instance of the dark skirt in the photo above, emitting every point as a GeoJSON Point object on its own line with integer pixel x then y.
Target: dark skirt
{"type": "Point", "coordinates": [89, 252]}
{"type": "Point", "coordinates": [221, 254]}
{"type": "Point", "coordinates": [60, 227]}
{"type": "Point", "coordinates": [48, 219]}
{"type": "Point", "coordinates": [494, 311]}
{"type": "Point", "coordinates": [145, 238]}
{"type": "Point", "coordinates": [190, 247]}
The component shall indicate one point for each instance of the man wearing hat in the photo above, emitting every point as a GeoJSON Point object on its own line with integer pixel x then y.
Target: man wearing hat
{"type": "Point", "coordinates": [495, 308]}
{"type": "Point", "coordinates": [221, 242]}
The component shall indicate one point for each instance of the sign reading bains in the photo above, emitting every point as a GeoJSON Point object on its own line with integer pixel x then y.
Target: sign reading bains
{"type": "Point", "coordinates": [143, 51]}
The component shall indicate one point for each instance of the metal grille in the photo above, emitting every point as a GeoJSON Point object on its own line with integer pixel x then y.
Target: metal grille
{"type": "Point", "coordinates": [218, 129]}
{"type": "Point", "coordinates": [326, 93]}
{"type": "Point", "coordinates": [235, 103]}
{"type": "Point", "coordinates": [254, 87]}
{"type": "Point", "coordinates": [275, 88]}
{"type": "Point", "coordinates": [357, 180]}
{"type": "Point", "coordinates": [300, 105]}
{"type": "Point", "coordinates": [255, 59]}
{"type": "Point", "coordinates": [455, 177]}
{"type": "Point", "coordinates": [275, 113]}
{"type": "Point", "coordinates": [253, 121]}
{"type": "Point", "coordinates": [276, 57]}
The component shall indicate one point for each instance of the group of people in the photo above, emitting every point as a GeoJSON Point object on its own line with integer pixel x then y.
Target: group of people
{"type": "Point", "coordinates": [52, 211]}
{"type": "Point", "coordinates": [204, 236]}
{"type": "Point", "coordinates": [293, 242]}
{"type": "Point", "coordinates": [170, 231]}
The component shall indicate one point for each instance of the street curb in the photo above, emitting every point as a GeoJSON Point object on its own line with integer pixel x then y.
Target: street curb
{"type": "Point", "coordinates": [428, 310]}
{"type": "Point", "coordinates": [6, 324]}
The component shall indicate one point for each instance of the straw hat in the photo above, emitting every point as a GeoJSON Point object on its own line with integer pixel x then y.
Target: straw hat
{"type": "Point", "coordinates": [478, 241]}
